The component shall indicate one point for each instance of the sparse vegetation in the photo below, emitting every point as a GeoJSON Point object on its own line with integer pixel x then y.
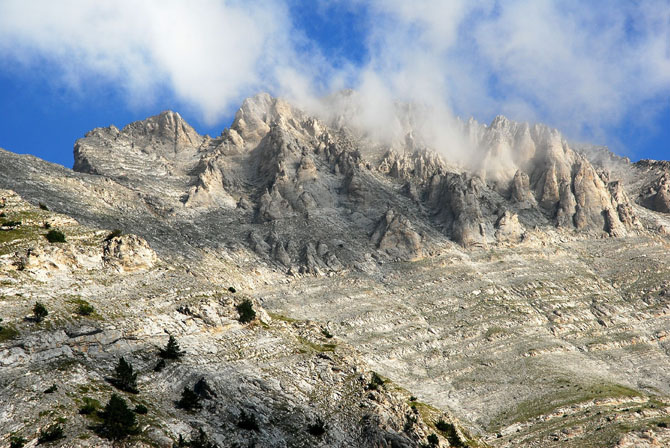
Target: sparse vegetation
{"type": "Point", "coordinates": [318, 428]}
{"type": "Point", "coordinates": [50, 434]}
{"type": "Point", "coordinates": [89, 407]}
{"type": "Point", "coordinates": [171, 350]}
{"type": "Point", "coordinates": [449, 431]}
{"type": "Point", "coordinates": [39, 312]}
{"type": "Point", "coordinates": [246, 311]}
{"type": "Point", "coordinates": [55, 236]}
{"type": "Point", "coordinates": [189, 401]}
{"type": "Point", "coordinates": [17, 442]}
{"type": "Point", "coordinates": [85, 309]}
{"type": "Point", "coordinates": [247, 422]}
{"type": "Point", "coordinates": [125, 378]}
{"type": "Point", "coordinates": [326, 333]}
{"type": "Point", "coordinates": [375, 382]}
{"type": "Point", "coordinates": [11, 223]}
{"type": "Point", "coordinates": [118, 420]}
{"type": "Point", "coordinates": [141, 409]}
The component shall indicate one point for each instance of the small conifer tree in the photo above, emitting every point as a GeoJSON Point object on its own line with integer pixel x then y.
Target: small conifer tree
{"type": "Point", "coordinates": [189, 401]}
{"type": "Point", "coordinates": [171, 350]}
{"type": "Point", "coordinates": [125, 378]}
{"type": "Point", "coordinates": [118, 420]}
{"type": "Point", "coordinates": [246, 311]}
{"type": "Point", "coordinates": [39, 312]}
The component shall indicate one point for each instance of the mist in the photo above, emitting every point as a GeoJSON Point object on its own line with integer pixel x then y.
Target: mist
{"type": "Point", "coordinates": [577, 66]}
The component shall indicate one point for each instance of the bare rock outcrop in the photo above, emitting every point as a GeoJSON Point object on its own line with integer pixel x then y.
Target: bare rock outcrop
{"type": "Point", "coordinates": [395, 236]}
{"type": "Point", "coordinates": [128, 253]}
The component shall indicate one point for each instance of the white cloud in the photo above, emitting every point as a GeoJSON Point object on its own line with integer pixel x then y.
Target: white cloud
{"type": "Point", "coordinates": [580, 66]}
{"type": "Point", "coordinates": [209, 53]}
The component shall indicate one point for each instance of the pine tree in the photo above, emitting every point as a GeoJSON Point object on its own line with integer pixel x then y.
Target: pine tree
{"type": "Point", "coordinates": [124, 377]}
{"type": "Point", "coordinates": [118, 420]}
{"type": "Point", "coordinates": [40, 312]}
{"type": "Point", "coordinates": [189, 400]}
{"type": "Point", "coordinates": [171, 350]}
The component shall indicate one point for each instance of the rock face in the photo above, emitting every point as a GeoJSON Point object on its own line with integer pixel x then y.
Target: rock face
{"type": "Point", "coordinates": [128, 253]}
{"type": "Point", "coordinates": [394, 235]}
{"type": "Point", "coordinates": [519, 290]}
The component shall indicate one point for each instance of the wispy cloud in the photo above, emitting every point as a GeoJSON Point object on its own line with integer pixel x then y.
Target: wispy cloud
{"type": "Point", "coordinates": [580, 66]}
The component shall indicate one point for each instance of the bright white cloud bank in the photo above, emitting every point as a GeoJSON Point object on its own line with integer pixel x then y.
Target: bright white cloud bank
{"type": "Point", "coordinates": [579, 65]}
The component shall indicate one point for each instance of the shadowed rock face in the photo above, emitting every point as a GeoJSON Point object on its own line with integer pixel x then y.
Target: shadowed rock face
{"type": "Point", "coordinates": [507, 288]}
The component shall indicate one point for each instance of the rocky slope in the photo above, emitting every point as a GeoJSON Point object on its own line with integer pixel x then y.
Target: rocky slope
{"type": "Point", "coordinates": [520, 289]}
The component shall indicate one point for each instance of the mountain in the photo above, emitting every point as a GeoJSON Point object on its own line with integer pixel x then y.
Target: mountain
{"type": "Point", "coordinates": [512, 281]}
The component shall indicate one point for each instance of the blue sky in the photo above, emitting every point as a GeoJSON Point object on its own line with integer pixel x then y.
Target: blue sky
{"type": "Point", "coordinates": [597, 74]}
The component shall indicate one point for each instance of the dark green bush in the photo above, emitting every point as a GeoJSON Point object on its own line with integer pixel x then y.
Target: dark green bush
{"type": "Point", "coordinates": [39, 312]}
{"type": "Point", "coordinates": [189, 401]}
{"type": "Point", "coordinates": [433, 441]}
{"type": "Point", "coordinates": [232, 289]}
{"type": "Point", "coordinates": [326, 333]}
{"type": "Point", "coordinates": [11, 223]}
{"type": "Point", "coordinates": [375, 382]}
{"type": "Point", "coordinates": [3, 215]}
{"type": "Point", "coordinates": [171, 350]}
{"type": "Point", "coordinates": [50, 434]}
{"type": "Point", "coordinates": [124, 377]}
{"type": "Point", "coordinates": [247, 422]}
{"type": "Point", "coordinates": [17, 442]}
{"type": "Point", "coordinates": [52, 389]}
{"type": "Point", "coordinates": [318, 428]}
{"type": "Point", "coordinates": [246, 311]}
{"type": "Point", "coordinates": [43, 206]}
{"type": "Point", "coordinates": [85, 309]}
{"type": "Point", "coordinates": [141, 409]}
{"type": "Point", "coordinates": [118, 420]}
{"type": "Point", "coordinates": [55, 236]}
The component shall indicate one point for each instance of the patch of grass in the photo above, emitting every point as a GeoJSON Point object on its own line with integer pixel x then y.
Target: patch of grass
{"type": "Point", "coordinates": [85, 309]}
{"type": "Point", "coordinates": [312, 346]}
{"type": "Point", "coordinates": [282, 318]}
{"type": "Point", "coordinates": [89, 406]}
{"type": "Point", "coordinates": [8, 332]}
{"type": "Point", "coordinates": [572, 394]}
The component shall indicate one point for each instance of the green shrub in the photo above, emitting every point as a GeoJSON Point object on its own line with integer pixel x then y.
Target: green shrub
{"type": "Point", "coordinates": [55, 236]}
{"type": "Point", "coordinates": [172, 350]}
{"type": "Point", "coordinates": [326, 333]}
{"type": "Point", "coordinates": [39, 312]}
{"type": "Point", "coordinates": [17, 442]}
{"type": "Point", "coordinates": [189, 401]}
{"type": "Point", "coordinates": [1, 327]}
{"type": "Point", "coordinates": [3, 215]}
{"type": "Point", "coordinates": [43, 206]}
{"type": "Point", "coordinates": [85, 309]}
{"type": "Point", "coordinates": [433, 441]}
{"type": "Point", "coordinates": [141, 409]}
{"type": "Point", "coordinates": [375, 382]}
{"type": "Point", "coordinates": [113, 234]}
{"type": "Point", "coordinates": [232, 289]}
{"type": "Point", "coordinates": [318, 428]}
{"type": "Point", "coordinates": [247, 422]}
{"type": "Point", "coordinates": [50, 434]}
{"type": "Point", "coordinates": [246, 311]}
{"type": "Point", "coordinates": [52, 389]}
{"type": "Point", "coordinates": [118, 421]}
{"type": "Point", "coordinates": [124, 377]}
{"type": "Point", "coordinates": [11, 223]}
{"type": "Point", "coordinates": [89, 407]}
